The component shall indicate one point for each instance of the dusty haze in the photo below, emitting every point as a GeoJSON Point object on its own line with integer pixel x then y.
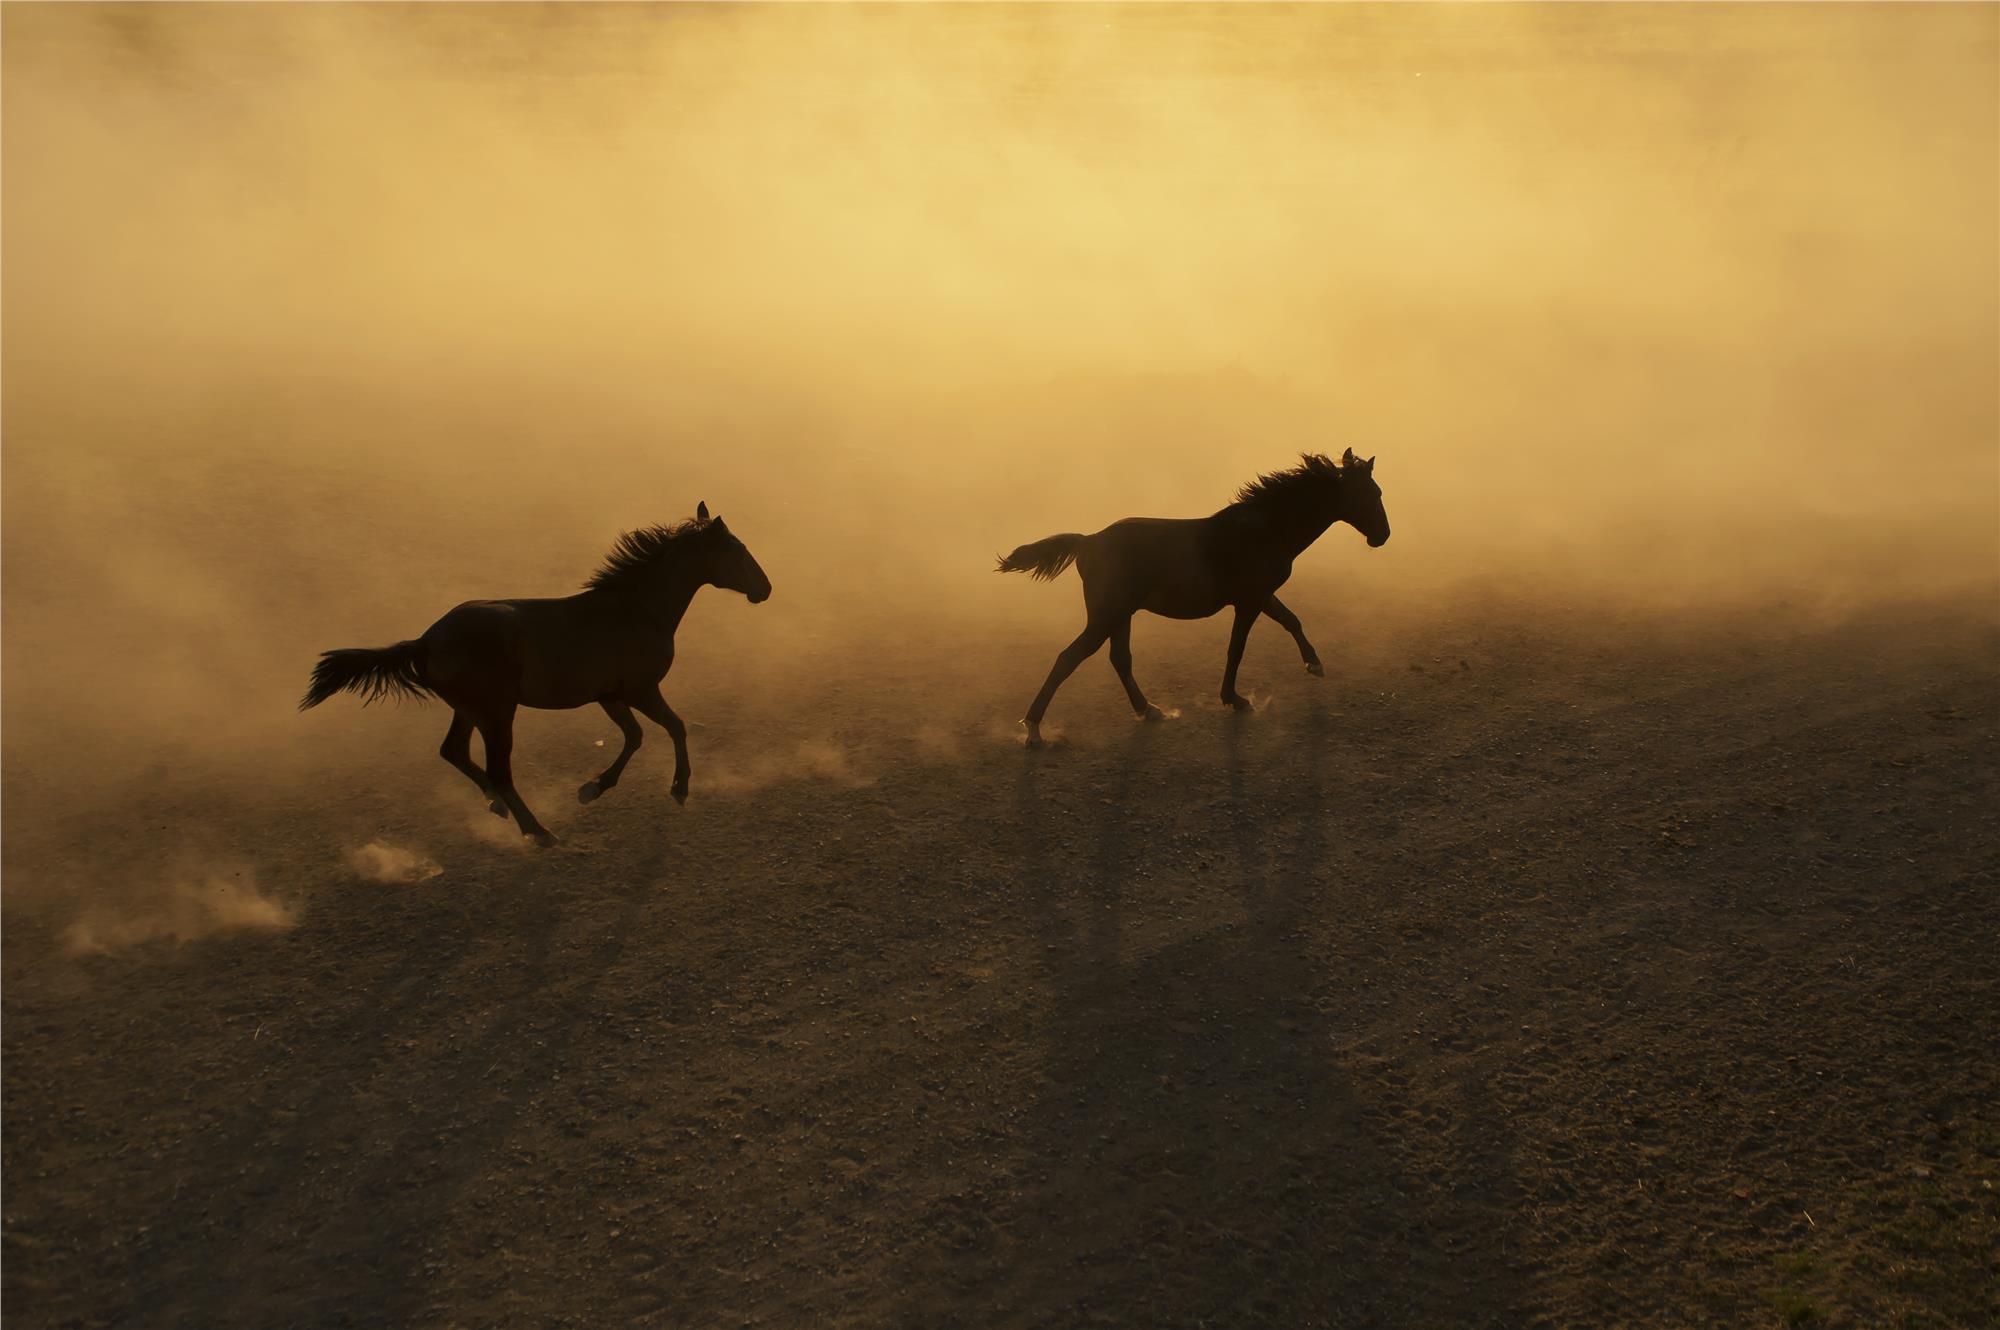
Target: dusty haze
{"type": "Point", "coordinates": [1606, 938]}
{"type": "Point", "coordinates": [319, 320]}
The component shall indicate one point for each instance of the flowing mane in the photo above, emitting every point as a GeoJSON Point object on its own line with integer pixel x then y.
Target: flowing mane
{"type": "Point", "coordinates": [638, 554]}
{"type": "Point", "coordinates": [1309, 479]}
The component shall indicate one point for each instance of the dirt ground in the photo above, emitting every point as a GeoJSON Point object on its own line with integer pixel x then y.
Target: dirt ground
{"type": "Point", "coordinates": [1533, 968]}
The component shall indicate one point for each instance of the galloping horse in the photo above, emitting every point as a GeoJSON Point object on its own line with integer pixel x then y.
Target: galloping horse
{"type": "Point", "coordinates": [611, 644]}
{"type": "Point", "coordinates": [1189, 568]}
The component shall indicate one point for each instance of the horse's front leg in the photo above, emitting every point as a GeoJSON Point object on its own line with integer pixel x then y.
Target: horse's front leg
{"type": "Point", "coordinates": [621, 715]}
{"type": "Point", "coordinates": [654, 708]}
{"type": "Point", "coordinates": [1289, 621]}
{"type": "Point", "coordinates": [1239, 633]}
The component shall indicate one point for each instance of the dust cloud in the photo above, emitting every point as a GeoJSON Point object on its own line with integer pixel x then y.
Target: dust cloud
{"type": "Point", "coordinates": [378, 861]}
{"type": "Point", "coordinates": [320, 319]}
{"type": "Point", "coordinates": [182, 901]}
{"type": "Point", "coordinates": [810, 760]}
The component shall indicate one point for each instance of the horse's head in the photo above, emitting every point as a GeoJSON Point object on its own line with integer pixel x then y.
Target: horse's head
{"type": "Point", "coordinates": [730, 564]}
{"type": "Point", "coordinates": [1361, 500]}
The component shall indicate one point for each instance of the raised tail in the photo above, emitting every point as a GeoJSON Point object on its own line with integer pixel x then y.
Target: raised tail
{"type": "Point", "coordinates": [1045, 559]}
{"type": "Point", "coordinates": [375, 673]}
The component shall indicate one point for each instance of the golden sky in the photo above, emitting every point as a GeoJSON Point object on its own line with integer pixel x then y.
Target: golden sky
{"type": "Point", "coordinates": [1644, 301]}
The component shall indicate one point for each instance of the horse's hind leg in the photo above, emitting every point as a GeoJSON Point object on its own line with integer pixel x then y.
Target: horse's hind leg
{"type": "Point", "coordinates": [1289, 621]}
{"type": "Point", "coordinates": [634, 736]}
{"type": "Point", "coordinates": [1121, 661]}
{"type": "Point", "coordinates": [497, 729]}
{"type": "Point", "coordinates": [457, 750]}
{"type": "Point", "coordinates": [1067, 660]}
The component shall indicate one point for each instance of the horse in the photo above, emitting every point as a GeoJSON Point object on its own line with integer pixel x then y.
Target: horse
{"type": "Point", "coordinates": [612, 644]}
{"type": "Point", "coordinates": [1190, 568]}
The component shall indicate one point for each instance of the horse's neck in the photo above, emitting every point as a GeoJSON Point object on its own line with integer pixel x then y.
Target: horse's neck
{"type": "Point", "coordinates": [663, 601]}
{"type": "Point", "coordinates": [1297, 532]}
{"type": "Point", "coordinates": [676, 594]}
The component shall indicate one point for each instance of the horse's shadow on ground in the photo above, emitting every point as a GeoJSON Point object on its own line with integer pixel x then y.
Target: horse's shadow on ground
{"type": "Point", "coordinates": [422, 1130]}
{"type": "Point", "coordinates": [1201, 1156]}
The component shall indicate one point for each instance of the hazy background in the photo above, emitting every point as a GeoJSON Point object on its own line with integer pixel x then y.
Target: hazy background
{"type": "Point", "coordinates": [319, 319]}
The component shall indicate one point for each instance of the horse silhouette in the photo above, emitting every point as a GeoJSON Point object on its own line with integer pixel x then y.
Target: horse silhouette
{"type": "Point", "coordinates": [1190, 568]}
{"type": "Point", "coordinates": [612, 644]}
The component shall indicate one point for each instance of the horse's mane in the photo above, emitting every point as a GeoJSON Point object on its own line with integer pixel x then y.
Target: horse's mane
{"type": "Point", "coordinates": [638, 554]}
{"type": "Point", "coordinates": [1309, 479]}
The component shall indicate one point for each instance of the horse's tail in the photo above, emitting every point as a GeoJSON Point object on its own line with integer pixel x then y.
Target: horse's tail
{"type": "Point", "coordinates": [1044, 560]}
{"type": "Point", "coordinates": [375, 673]}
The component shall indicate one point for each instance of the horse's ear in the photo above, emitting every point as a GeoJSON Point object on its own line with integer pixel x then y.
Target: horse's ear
{"type": "Point", "coordinates": [1347, 458]}
{"type": "Point", "coordinates": [701, 511]}
{"type": "Point", "coordinates": [1369, 464]}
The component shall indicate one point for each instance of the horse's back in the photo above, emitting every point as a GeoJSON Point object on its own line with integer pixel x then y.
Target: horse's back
{"type": "Point", "coordinates": [501, 614]}
{"type": "Point", "coordinates": [1153, 525]}
{"type": "Point", "coordinates": [520, 650]}
{"type": "Point", "coordinates": [1153, 536]}
{"type": "Point", "coordinates": [471, 647]}
{"type": "Point", "coordinates": [487, 622]}
{"type": "Point", "coordinates": [1150, 563]}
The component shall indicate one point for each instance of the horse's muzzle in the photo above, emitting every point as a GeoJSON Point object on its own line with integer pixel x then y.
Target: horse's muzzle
{"type": "Point", "coordinates": [1377, 542]}
{"type": "Point", "coordinates": [758, 597]}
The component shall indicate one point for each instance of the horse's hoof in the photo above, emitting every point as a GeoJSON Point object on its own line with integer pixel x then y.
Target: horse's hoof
{"type": "Point", "coordinates": [680, 793]}
{"type": "Point", "coordinates": [544, 839]}
{"type": "Point", "coordinates": [1152, 713]}
{"type": "Point", "coordinates": [1241, 704]}
{"type": "Point", "coordinates": [587, 791]}
{"type": "Point", "coordinates": [497, 808]}
{"type": "Point", "coordinates": [1317, 670]}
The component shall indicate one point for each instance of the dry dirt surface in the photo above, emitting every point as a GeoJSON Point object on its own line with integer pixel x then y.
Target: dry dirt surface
{"type": "Point", "coordinates": [1534, 968]}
